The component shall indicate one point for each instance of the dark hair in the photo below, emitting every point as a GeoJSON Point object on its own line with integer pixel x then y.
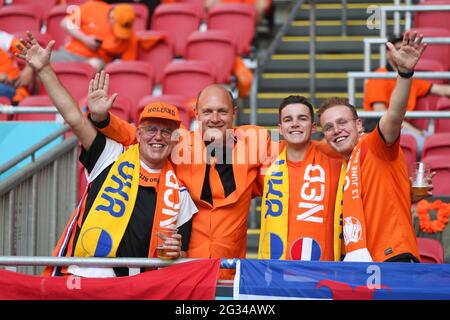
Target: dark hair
{"type": "Point", "coordinates": [294, 100]}
{"type": "Point", "coordinates": [222, 87]}
{"type": "Point", "coordinates": [337, 101]}
{"type": "Point", "coordinates": [395, 39]}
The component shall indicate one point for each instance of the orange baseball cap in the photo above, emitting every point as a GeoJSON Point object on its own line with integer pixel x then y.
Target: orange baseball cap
{"type": "Point", "coordinates": [160, 110]}
{"type": "Point", "coordinates": [123, 16]}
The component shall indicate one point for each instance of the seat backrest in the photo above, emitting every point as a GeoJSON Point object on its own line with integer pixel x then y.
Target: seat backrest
{"type": "Point", "coordinates": [179, 20]}
{"type": "Point", "coordinates": [74, 76]}
{"type": "Point", "coordinates": [430, 250]}
{"type": "Point", "coordinates": [159, 54]}
{"type": "Point", "coordinates": [216, 47]}
{"type": "Point", "coordinates": [35, 101]}
{"type": "Point", "coordinates": [20, 18]}
{"type": "Point", "coordinates": [436, 52]}
{"type": "Point", "coordinates": [187, 78]}
{"type": "Point", "coordinates": [131, 79]}
{"type": "Point", "coordinates": [437, 144]}
{"type": "Point", "coordinates": [422, 104]}
{"type": "Point", "coordinates": [431, 19]}
{"type": "Point", "coordinates": [239, 19]}
{"type": "Point", "coordinates": [441, 166]}
{"type": "Point", "coordinates": [45, 5]}
{"type": "Point", "coordinates": [409, 146]}
{"type": "Point", "coordinates": [53, 22]}
{"type": "Point", "coordinates": [176, 100]}
{"type": "Point", "coordinates": [443, 104]}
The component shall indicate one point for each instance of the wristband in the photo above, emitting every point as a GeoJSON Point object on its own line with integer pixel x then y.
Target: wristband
{"type": "Point", "coordinates": [406, 75]}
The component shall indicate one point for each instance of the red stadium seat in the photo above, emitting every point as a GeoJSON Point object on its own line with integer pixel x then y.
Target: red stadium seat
{"type": "Point", "coordinates": [443, 104]}
{"type": "Point", "coordinates": [215, 46]}
{"type": "Point", "coordinates": [239, 19]}
{"type": "Point", "coordinates": [7, 102]}
{"type": "Point", "coordinates": [131, 79]}
{"type": "Point", "coordinates": [53, 22]}
{"type": "Point", "coordinates": [158, 55]}
{"type": "Point", "coordinates": [437, 144]}
{"type": "Point", "coordinates": [422, 104]}
{"type": "Point", "coordinates": [441, 165]}
{"type": "Point", "coordinates": [409, 146]}
{"type": "Point", "coordinates": [76, 2]}
{"type": "Point", "coordinates": [74, 76]}
{"type": "Point", "coordinates": [20, 18]}
{"type": "Point", "coordinates": [141, 18]}
{"type": "Point", "coordinates": [187, 78]}
{"type": "Point", "coordinates": [35, 101]}
{"type": "Point", "coordinates": [199, 4]}
{"type": "Point", "coordinates": [430, 250]}
{"type": "Point", "coordinates": [178, 101]}
{"type": "Point", "coordinates": [179, 20]}
{"type": "Point", "coordinates": [45, 5]}
{"type": "Point", "coordinates": [431, 19]}
{"type": "Point", "coordinates": [436, 52]}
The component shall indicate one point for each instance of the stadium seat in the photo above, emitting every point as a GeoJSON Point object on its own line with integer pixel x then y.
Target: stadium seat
{"type": "Point", "coordinates": [45, 5]}
{"type": "Point", "coordinates": [215, 46]}
{"type": "Point", "coordinates": [179, 20]}
{"type": "Point", "coordinates": [435, 19]}
{"type": "Point", "coordinates": [53, 22]}
{"type": "Point", "coordinates": [141, 18]}
{"type": "Point", "coordinates": [422, 104]}
{"type": "Point", "coordinates": [199, 5]}
{"type": "Point", "coordinates": [35, 101]}
{"type": "Point", "coordinates": [239, 19]}
{"type": "Point", "coordinates": [131, 79]}
{"type": "Point", "coordinates": [430, 250]}
{"type": "Point", "coordinates": [178, 101]}
{"type": "Point", "coordinates": [20, 18]}
{"type": "Point", "coordinates": [437, 144]}
{"type": "Point", "coordinates": [443, 104]}
{"type": "Point", "coordinates": [159, 55]}
{"type": "Point", "coordinates": [76, 2]}
{"type": "Point", "coordinates": [74, 76]}
{"type": "Point", "coordinates": [409, 146]}
{"type": "Point", "coordinates": [187, 78]}
{"type": "Point", "coordinates": [436, 52]}
{"type": "Point", "coordinates": [121, 107]}
{"type": "Point", "coordinates": [4, 101]}
{"type": "Point", "coordinates": [441, 165]}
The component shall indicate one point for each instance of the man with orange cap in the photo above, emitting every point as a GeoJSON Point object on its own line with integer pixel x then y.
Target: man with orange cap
{"type": "Point", "coordinates": [100, 33]}
{"type": "Point", "coordinates": [132, 191]}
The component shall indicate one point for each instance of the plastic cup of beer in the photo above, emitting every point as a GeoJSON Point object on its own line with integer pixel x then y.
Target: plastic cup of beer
{"type": "Point", "coordinates": [421, 179]}
{"type": "Point", "coordinates": [164, 236]}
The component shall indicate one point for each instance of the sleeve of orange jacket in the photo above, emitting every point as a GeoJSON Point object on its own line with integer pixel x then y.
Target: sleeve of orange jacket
{"type": "Point", "coordinates": [119, 130]}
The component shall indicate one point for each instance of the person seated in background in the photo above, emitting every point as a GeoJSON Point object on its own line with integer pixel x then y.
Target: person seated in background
{"type": "Point", "coordinates": [132, 191]}
{"type": "Point", "coordinates": [377, 94]}
{"type": "Point", "coordinates": [100, 34]}
{"type": "Point", "coordinates": [13, 81]}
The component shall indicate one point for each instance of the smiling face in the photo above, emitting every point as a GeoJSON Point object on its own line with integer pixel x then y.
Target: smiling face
{"type": "Point", "coordinates": [296, 124]}
{"type": "Point", "coordinates": [155, 141]}
{"type": "Point", "coordinates": [215, 111]}
{"type": "Point", "coordinates": [341, 129]}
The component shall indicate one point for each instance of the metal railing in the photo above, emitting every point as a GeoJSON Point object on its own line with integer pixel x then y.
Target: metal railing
{"type": "Point", "coordinates": [352, 76]}
{"type": "Point", "coordinates": [35, 202]}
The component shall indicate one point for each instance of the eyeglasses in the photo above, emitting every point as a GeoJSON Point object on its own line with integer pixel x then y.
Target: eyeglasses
{"type": "Point", "coordinates": [340, 123]}
{"type": "Point", "coordinates": [151, 131]}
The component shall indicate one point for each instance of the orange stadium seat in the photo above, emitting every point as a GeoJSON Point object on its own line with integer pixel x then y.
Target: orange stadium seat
{"type": "Point", "coordinates": [53, 22]}
{"type": "Point", "coordinates": [35, 101]}
{"type": "Point", "coordinates": [430, 250]}
{"type": "Point", "coordinates": [187, 78]}
{"type": "Point", "coordinates": [437, 144]}
{"type": "Point", "coordinates": [131, 79]}
{"type": "Point", "coordinates": [409, 146]}
{"type": "Point", "coordinates": [443, 104]}
{"type": "Point", "coordinates": [159, 55]}
{"type": "Point", "coordinates": [238, 18]}
{"type": "Point", "coordinates": [441, 165]}
{"type": "Point", "coordinates": [20, 18]}
{"type": "Point", "coordinates": [45, 5]}
{"type": "Point", "coordinates": [75, 77]}
{"type": "Point", "coordinates": [433, 19]}
{"type": "Point", "coordinates": [178, 101]}
{"type": "Point", "coordinates": [179, 20]}
{"type": "Point", "coordinates": [215, 46]}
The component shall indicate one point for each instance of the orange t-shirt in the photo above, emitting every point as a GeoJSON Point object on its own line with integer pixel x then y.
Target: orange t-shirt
{"type": "Point", "coordinates": [386, 199]}
{"type": "Point", "coordinates": [380, 90]}
{"type": "Point", "coordinates": [94, 20]}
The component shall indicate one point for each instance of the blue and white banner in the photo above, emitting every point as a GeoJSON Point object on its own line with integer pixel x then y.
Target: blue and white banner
{"type": "Point", "coordinates": [275, 279]}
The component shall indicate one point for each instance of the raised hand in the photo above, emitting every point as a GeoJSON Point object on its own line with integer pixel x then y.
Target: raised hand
{"type": "Point", "coordinates": [407, 56]}
{"type": "Point", "coordinates": [33, 53]}
{"type": "Point", "coordinates": [98, 101]}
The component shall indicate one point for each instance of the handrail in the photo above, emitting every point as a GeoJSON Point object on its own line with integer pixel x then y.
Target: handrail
{"type": "Point", "coordinates": [409, 114]}
{"type": "Point", "coordinates": [100, 262]}
{"type": "Point", "coordinates": [33, 149]}
{"type": "Point", "coordinates": [15, 110]}
{"type": "Point", "coordinates": [369, 41]}
{"type": "Point", "coordinates": [262, 61]}
{"type": "Point", "coordinates": [410, 8]}
{"type": "Point", "coordinates": [351, 76]}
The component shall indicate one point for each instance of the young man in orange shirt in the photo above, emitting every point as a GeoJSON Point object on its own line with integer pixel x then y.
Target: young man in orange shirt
{"type": "Point", "coordinates": [377, 222]}
{"type": "Point", "coordinates": [298, 201]}
{"type": "Point", "coordinates": [100, 33]}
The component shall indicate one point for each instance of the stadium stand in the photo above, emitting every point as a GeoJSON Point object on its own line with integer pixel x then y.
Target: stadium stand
{"type": "Point", "coordinates": [4, 101]}
{"type": "Point", "coordinates": [45, 5]}
{"type": "Point", "coordinates": [20, 18]}
{"type": "Point", "coordinates": [431, 250]}
{"type": "Point", "coordinates": [53, 23]}
{"type": "Point", "coordinates": [409, 146]}
{"type": "Point", "coordinates": [432, 19]}
{"type": "Point", "coordinates": [35, 101]}
{"type": "Point", "coordinates": [141, 19]}
{"type": "Point", "coordinates": [443, 104]}
{"type": "Point", "coordinates": [441, 166]}
{"type": "Point", "coordinates": [437, 144]}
